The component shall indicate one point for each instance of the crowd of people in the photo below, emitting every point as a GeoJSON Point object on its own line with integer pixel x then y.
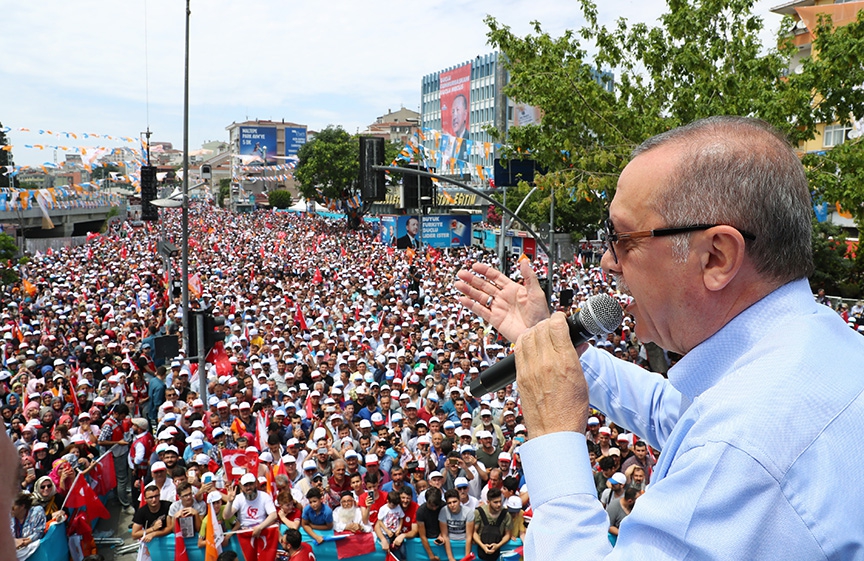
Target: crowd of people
{"type": "Point", "coordinates": [344, 373]}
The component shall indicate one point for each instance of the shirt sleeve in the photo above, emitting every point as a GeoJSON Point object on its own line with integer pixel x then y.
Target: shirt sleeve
{"type": "Point", "coordinates": [644, 402]}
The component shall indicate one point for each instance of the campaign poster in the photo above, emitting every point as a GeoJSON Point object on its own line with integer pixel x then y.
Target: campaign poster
{"type": "Point", "coordinates": [388, 229]}
{"type": "Point", "coordinates": [295, 138]}
{"type": "Point", "coordinates": [407, 232]}
{"type": "Point", "coordinates": [447, 230]}
{"type": "Point", "coordinates": [259, 141]}
{"type": "Point", "coordinates": [455, 92]}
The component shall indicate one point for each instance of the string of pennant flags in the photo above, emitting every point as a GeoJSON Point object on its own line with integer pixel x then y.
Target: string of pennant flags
{"type": "Point", "coordinates": [75, 135]}
{"type": "Point", "coordinates": [85, 195]}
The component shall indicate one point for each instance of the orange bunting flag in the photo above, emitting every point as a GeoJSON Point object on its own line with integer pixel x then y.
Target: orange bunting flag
{"type": "Point", "coordinates": [213, 536]}
{"type": "Point", "coordinates": [29, 288]}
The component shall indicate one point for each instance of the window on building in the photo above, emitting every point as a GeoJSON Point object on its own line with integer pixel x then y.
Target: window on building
{"type": "Point", "coordinates": [835, 135]}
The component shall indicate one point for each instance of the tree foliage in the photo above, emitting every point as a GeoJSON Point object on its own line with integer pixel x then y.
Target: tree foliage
{"type": "Point", "coordinates": [330, 162]}
{"type": "Point", "coordinates": [703, 59]}
{"type": "Point", "coordinates": [6, 180]}
{"type": "Point", "coordinates": [280, 198]}
{"type": "Point", "coordinates": [8, 250]}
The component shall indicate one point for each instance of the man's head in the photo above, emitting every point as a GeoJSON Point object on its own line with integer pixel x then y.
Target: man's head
{"type": "Point", "coordinates": [152, 496]}
{"type": "Point", "coordinates": [495, 502]}
{"type": "Point", "coordinates": [741, 195]}
{"type": "Point", "coordinates": [459, 114]}
{"type": "Point", "coordinates": [451, 497]}
{"type": "Point", "coordinates": [249, 484]}
{"type": "Point", "coordinates": [184, 491]}
{"type": "Point", "coordinates": [412, 226]}
{"type": "Point", "coordinates": [640, 450]}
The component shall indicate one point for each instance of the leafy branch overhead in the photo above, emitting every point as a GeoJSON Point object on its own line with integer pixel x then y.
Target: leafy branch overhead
{"type": "Point", "coordinates": [703, 58]}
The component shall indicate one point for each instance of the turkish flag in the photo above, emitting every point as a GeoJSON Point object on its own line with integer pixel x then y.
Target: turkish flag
{"type": "Point", "coordinates": [300, 320]}
{"type": "Point", "coordinates": [262, 548]}
{"type": "Point", "coordinates": [179, 544]}
{"type": "Point", "coordinates": [218, 358]}
{"type": "Point", "coordinates": [236, 464]}
{"type": "Point", "coordinates": [81, 495]}
{"type": "Point", "coordinates": [353, 544]}
{"type": "Point", "coordinates": [317, 278]}
{"type": "Point", "coordinates": [103, 475]}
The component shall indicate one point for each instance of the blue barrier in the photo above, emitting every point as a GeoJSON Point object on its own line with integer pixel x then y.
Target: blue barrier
{"type": "Point", "coordinates": [162, 549]}
{"type": "Point", "coordinates": [54, 545]}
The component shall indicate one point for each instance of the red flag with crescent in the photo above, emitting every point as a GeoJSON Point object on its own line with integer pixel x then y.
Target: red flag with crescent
{"type": "Point", "coordinates": [262, 548]}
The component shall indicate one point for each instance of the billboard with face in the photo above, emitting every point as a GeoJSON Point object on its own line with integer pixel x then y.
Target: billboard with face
{"type": "Point", "coordinates": [455, 92]}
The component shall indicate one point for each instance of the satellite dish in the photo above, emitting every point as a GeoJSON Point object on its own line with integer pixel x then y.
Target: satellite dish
{"type": "Point", "coordinates": [799, 69]}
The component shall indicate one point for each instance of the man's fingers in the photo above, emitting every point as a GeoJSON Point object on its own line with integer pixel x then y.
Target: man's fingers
{"type": "Point", "coordinates": [559, 333]}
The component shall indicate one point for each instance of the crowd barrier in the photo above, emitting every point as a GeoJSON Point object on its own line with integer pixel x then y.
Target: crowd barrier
{"type": "Point", "coordinates": [162, 549]}
{"type": "Point", "coordinates": [54, 545]}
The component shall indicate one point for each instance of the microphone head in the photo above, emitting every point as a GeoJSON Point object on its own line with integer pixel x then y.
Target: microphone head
{"type": "Point", "coordinates": [601, 314]}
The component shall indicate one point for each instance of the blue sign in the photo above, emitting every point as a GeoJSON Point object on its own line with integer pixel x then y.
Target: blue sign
{"type": "Point", "coordinates": [388, 229]}
{"type": "Point", "coordinates": [447, 230]}
{"type": "Point", "coordinates": [295, 137]}
{"type": "Point", "coordinates": [440, 230]}
{"type": "Point", "coordinates": [259, 141]}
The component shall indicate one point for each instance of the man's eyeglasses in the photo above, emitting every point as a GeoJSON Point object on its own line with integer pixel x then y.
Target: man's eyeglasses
{"type": "Point", "coordinates": [612, 237]}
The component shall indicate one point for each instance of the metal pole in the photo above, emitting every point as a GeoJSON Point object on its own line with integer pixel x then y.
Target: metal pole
{"type": "Point", "coordinates": [202, 374]}
{"type": "Point", "coordinates": [551, 245]}
{"type": "Point", "coordinates": [501, 248]}
{"type": "Point", "coordinates": [185, 221]}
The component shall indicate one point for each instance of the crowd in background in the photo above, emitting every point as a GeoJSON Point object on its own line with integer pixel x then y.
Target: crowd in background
{"type": "Point", "coordinates": [345, 370]}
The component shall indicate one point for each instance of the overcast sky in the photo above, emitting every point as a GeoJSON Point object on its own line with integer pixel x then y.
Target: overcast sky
{"type": "Point", "coordinates": [109, 67]}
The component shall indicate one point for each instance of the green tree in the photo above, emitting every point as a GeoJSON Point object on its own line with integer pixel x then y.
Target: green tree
{"type": "Point", "coordinates": [8, 250]}
{"type": "Point", "coordinates": [280, 198]}
{"type": "Point", "coordinates": [330, 162]}
{"type": "Point", "coordinates": [705, 58]}
{"type": "Point", "coordinates": [224, 190]}
{"type": "Point", "coordinates": [5, 160]}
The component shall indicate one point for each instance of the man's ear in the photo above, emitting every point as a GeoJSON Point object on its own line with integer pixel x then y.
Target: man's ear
{"type": "Point", "coordinates": [721, 252]}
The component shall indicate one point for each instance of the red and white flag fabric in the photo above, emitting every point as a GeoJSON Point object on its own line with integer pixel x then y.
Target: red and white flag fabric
{"type": "Point", "coordinates": [81, 495]}
{"type": "Point", "coordinates": [180, 553]}
{"type": "Point", "coordinates": [261, 431]}
{"type": "Point", "coordinates": [219, 358]}
{"type": "Point", "coordinates": [300, 319]}
{"type": "Point", "coordinates": [350, 544]}
{"type": "Point", "coordinates": [262, 548]}
{"type": "Point", "coordinates": [236, 464]}
{"type": "Point", "coordinates": [103, 474]}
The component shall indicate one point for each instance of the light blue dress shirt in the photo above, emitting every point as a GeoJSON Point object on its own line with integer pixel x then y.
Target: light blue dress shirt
{"type": "Point", "coordinates": [760, 429]}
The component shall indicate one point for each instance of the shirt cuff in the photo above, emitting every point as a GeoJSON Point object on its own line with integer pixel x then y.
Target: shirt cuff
{"type": "Point", "coordinates": [557, 465]}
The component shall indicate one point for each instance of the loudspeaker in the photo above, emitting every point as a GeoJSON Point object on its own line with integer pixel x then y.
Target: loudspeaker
{"type": "Point", "coordinates": [372, 186]}
{"type": "Point", "coordinates": [148, 193]}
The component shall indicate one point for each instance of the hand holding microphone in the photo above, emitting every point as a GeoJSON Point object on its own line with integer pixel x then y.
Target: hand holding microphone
{"type": "Point", "coordinates": [600, 315]}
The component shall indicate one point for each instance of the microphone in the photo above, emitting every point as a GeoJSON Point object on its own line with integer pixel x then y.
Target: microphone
{"type": "Point", "coordinates": [600, 315]}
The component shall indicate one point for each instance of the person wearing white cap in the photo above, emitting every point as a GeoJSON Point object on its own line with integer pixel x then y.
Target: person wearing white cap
{"type": "Point", "coordinates": [167, 489]}
{"type": "Point", "coordinates": [255, 511]}
{"type": "Point", "coordinates": [615, 490]}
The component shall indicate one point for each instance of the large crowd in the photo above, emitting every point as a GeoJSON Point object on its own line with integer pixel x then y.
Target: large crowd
{"type": "Point", "coordinates": [342, 379]}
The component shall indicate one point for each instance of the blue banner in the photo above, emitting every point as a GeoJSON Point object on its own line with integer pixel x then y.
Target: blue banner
{"type": "Point", "coordinates": [447, 230]}
{"type": "Point", "coordinates": [295, 137]}
{"type": "Point", "coordinates": [259, 141]}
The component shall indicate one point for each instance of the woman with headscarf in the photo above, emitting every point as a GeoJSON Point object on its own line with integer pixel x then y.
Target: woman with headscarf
{"type": "Point", "coordinates": [13, 400]}
{"type": "Point", "coordinates": [45, 495]}
{"type": "Point", "coordinates": [28, 525]}
{"type": "Point", "coordinates": [63, 475]}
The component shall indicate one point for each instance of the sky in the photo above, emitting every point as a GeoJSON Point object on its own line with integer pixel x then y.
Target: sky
{"type": "Point", "coordinates": [115, 68]}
